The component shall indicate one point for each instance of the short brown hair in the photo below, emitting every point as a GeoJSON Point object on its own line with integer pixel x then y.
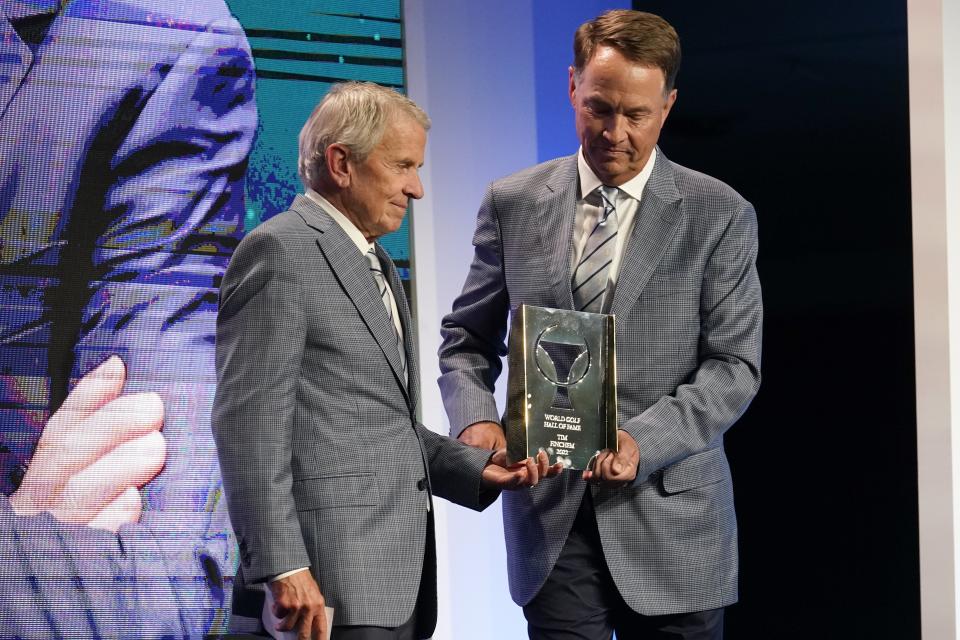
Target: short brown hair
{"type": "Point", "coordinates": [642, 38]}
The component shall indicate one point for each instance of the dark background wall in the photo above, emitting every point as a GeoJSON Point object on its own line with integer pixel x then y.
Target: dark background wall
{"type": "Point", "coordinates": [803, 108]}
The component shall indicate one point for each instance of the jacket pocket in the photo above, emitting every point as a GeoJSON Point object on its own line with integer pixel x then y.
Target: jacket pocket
{"type": "Point", "coordinates": [328, 492]}
{"type": "Point", "coordinates": [659, 285]}
{"type": "Point", "coordinates": [698, 470]}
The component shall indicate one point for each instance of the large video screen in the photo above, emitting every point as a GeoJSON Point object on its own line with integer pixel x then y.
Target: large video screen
{"type": "Point", "coordinates": [138, 142]}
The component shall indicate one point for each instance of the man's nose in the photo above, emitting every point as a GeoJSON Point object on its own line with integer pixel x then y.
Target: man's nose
{"type": "Point", "coordinates": [614, 128]}
{"type": "Point", "coordinates": [414, 188]}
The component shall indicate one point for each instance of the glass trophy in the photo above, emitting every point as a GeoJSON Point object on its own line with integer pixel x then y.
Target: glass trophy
{"type": "Point", "coordinates": [562, 386]}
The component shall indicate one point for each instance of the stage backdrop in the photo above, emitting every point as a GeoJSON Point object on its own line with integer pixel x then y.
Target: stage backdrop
{"type": "Point", "coordinates": [138, 142]}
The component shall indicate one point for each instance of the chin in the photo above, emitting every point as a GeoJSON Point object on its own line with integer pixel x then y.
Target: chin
{"type": "Point", "coordinates": [606, 162]}
{"type": "Point", "coordinates": [392, 227]}
{"type": "Point", "coordinates": [607, 171]}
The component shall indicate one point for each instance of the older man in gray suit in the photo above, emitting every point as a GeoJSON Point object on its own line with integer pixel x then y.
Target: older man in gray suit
{"type": "Point", "coordinates": [648, 545]}
{"type": "Point", "coordinates": [328, 474]}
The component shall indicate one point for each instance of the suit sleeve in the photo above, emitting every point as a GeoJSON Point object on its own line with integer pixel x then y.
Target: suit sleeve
{"type": "Point", "coordinates": [474, 332]}
{"type": "Point", "coordinates": [697, 414]}
{"type": "Point", "coordinates": [260, 342]}
{"type": "Point", "coordinates": [456, 469]}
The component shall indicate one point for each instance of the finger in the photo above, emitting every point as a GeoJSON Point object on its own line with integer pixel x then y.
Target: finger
{"type": "Point", "coordinates": [533, 475]}
{"type": "Point", "coordinates": [288, 616]}
{"type": "Point", "coordinates": [125, 509]}
{"type": "Point", "coordinates": [96, 388]}
{"type": "Point", "coordinates": [62, 453]}
{"type": "Point", "coordinates": [618, 471]}
{"type": "Point", "coordinates": [590, 473]}
{"type": "Point", "coordinates": [133, 463]}
{"type": "Point", "coordinates": [548, 470]}
{"type": "Point", "coordinates": [594, 467]}
{"type": "Point", "coordinates": [605, 466]}
{"type": "Point", "coordinates": [320, 624]}
{"type": "Point", "coordinates": [616, 466]}
{"type": "Point", "coordinates": [499, 458]}
{"type": "Point", "coordinates": [126, 418]}
{"type": "Point", "coordinates": [543, 463]}
{"type": "Point", "coordinates": [305, 626]}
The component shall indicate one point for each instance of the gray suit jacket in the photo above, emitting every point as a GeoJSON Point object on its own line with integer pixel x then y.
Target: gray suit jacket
{"type": "Point", "coordinates": [688, 321]}
{"type": "Point", "coordinates": [324, 463]}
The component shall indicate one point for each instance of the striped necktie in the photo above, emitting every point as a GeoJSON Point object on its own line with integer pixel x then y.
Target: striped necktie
{"type": "Point", "coordinates": [376, 270]}
{"type": "Point", "coordinates": [593, 271]}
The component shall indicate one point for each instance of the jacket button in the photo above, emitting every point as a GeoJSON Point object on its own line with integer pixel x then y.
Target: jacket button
{"type": "Point", "coordinates": [421, 484]}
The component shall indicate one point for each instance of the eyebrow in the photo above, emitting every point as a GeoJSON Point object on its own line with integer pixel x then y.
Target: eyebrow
{"type": "Point", "coordinates": [596, 101]}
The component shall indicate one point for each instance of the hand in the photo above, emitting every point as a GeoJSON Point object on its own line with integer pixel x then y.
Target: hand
{"type": "Point", "coordinates": [616, 469]}
{"type": "Point", "coordinates": [95, 451]}
{"type": "Point", "coordinates": [526, 473]}
{"type": "Point", "coordinates": [484, 435]}
{"type": "Point", "coordinates": [298, 603]}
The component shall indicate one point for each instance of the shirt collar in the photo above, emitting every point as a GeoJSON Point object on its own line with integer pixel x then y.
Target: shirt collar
{"type": "Point", "coordinates": [342, 220]}
{"type": "Point", "coordinates": [632, 187]}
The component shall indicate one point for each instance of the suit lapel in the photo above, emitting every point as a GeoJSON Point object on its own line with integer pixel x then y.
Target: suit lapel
{"type": "Point", "coordinates": [557, 206]}
{"type": "Point", "coordinates": [352, 270]}
{"type": "Point", "coordinates": [655, 224]}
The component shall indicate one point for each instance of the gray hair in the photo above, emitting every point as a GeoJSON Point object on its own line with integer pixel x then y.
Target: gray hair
{"type": "Point", "coordinates": [355, 115]}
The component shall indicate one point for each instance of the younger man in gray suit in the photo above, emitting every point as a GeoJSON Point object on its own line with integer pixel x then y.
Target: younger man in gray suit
{"type": "Point", "coordinates": [649, 546]}
{"type": "Point", "coordinates": [329, 477]}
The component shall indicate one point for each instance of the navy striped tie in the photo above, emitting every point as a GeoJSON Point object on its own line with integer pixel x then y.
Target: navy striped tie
{"type": "Point", "coordinates": [376, 270]}
{"type": "Point", "coordinates": [593, 271]}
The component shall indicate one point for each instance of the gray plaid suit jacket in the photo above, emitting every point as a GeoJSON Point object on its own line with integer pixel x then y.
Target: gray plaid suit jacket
{"type": "Point", "coordinates": [324, 464]}
{"type": "Point", "coordinates": [688, 322]}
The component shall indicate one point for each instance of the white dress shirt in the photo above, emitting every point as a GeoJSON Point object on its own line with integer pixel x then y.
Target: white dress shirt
{"type": "Point", "coordinates": [590, 208]}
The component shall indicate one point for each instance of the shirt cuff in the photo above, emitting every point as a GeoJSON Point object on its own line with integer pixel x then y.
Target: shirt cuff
{"type": "Point", "coordinates": [286, 574]}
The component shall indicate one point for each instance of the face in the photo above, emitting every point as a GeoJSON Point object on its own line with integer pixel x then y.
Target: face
{"type": "Point", "coordinates": [620, 108]}
{"type": "Point", "coordinates": [380, 188]}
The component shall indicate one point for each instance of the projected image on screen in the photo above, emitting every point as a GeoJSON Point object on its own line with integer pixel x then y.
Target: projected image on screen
{"type": "Point", "coordinates": [126, 133]}
{"type": "Point", "coordinates": [299, 49]}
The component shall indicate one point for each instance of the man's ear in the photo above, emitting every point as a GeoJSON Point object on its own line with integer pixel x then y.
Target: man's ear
{"type": "Point", "coordinates": [668, 104]}
{"type": "Point", "coordinates": [339, 169]}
